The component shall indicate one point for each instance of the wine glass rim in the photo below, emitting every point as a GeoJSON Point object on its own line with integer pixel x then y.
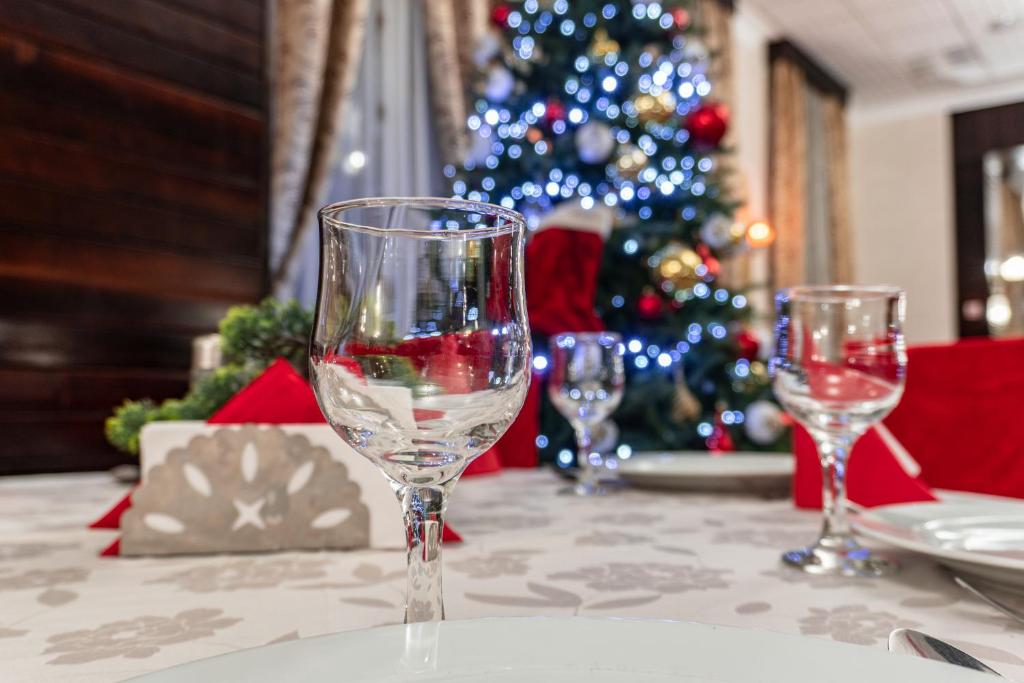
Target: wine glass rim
{"type": "Point", "coordinates": [516, 222]}
{"type": "Point", "coordinates": [841, 292]}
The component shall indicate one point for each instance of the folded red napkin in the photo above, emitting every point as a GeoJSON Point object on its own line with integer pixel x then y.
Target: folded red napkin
{"type": "Point", "coordinates": [879, 472]}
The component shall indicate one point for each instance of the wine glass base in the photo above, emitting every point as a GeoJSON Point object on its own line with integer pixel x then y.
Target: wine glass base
{"type": "Point", "coordinates": [839, 557]}
{"type": "Point", "coordinates": [584, 490]}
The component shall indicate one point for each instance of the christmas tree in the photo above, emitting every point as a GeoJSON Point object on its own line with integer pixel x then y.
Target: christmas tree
{"type": "Point", "coordinates": [609, 105]}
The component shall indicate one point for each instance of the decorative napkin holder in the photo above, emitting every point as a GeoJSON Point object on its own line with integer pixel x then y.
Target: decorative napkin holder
{"type": "Point", "coordinates": [255, 488]}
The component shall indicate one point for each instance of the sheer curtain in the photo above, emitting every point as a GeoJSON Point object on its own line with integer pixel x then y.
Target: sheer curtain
{"type": "Point", "coordinates": [385, 147]}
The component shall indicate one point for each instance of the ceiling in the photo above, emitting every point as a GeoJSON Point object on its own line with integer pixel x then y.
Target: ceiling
{"type": "Point", "coordinates": [885, 49]}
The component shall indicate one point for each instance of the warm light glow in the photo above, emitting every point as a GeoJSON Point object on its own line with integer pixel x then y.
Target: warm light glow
{"type": "Point", "coordinates": [760, 234]}
{"type": "Point", "coordinates": [1012, 269]}
{"type": "Point", "coordinates": [998, 311]}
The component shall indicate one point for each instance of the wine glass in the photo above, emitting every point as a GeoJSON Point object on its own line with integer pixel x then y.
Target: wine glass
{"type": "Point", "coordinates": [585, 385]}
{"type": "Point", "coordinates": [838, 369]}
{"type": "Point", "coordinates": [420, 352]}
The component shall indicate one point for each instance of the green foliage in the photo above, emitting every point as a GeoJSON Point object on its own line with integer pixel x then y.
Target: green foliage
{"type": "Point", "coordinates": [252, 337]}
{"type": "Point", "coordinates": [123, 427]}
{"type": "Point", "coordinates": [272, 329]}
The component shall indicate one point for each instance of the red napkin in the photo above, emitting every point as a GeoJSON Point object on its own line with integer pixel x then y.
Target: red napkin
{"type": "Point", "coordinates": [875, 476]}
{"type": "Point", "coordinates": [277, 396]}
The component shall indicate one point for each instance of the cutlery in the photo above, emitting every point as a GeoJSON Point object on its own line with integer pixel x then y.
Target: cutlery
{"type": "Point", "coordinates": [909, 641]}
{"type": "Point", "coordinates": [1009, 611]}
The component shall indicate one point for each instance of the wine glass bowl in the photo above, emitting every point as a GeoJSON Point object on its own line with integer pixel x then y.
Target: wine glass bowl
{"type": "Point", "coordinates": [585, 384]}
{"type": "Point", "coordinates": [420, 351]}
{"type": "Point", "coordinates": [838, 369]}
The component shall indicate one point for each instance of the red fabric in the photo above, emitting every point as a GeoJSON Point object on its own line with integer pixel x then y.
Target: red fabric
{"type": "Point", "coordinates": [874, 476]}
{"type": "Point", "coordinates": [518, 446]}
{"type": "Point", "coordinates": [561, 281]}
{"type": "Point", "coordinates": [111, 519]}
{"type": "Point", "coordinates": [961, 415]}
{"type": "Point", "coordinates": [278, 396]}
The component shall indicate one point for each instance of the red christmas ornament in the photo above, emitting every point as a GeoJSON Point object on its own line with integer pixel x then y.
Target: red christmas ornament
{"type": "Point", "coordinates": [749, 344]}
{"type": "Point", "coordinates": [649, 305]}
{"type": "Point", "coordinates": [499, 15]}
{"type": "Point", "coordinates": [710, 262]}
{"type": "Point", "coordinates": [707, 124]}
{"type": "Point", "coordinates": [681, 18]}
{"type": "Point", "coordinates": [554, 110]}
{"type": "Point", "coordinates": [720, 440]}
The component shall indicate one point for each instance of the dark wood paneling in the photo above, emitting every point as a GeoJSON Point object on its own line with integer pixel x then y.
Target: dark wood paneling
{"type": "Point", "coordinates": [976, 133]}
{"type": "Point", "coordinates": [46, 20]}
{"type": "Point", "coordinates": [133, 164]}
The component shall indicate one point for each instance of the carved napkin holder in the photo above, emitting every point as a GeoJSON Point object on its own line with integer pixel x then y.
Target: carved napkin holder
{"type": "Point", "coordinates": [255, 488]}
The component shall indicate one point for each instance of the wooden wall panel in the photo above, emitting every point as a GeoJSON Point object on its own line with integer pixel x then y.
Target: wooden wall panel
{"type": "Point", "coordinates": [133, 166]}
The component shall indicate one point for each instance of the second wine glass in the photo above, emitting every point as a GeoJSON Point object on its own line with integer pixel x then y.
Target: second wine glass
{"type": "Point", "coordinates": [838, 369]}
{"type": "Point", "coordinates": [585, 385]}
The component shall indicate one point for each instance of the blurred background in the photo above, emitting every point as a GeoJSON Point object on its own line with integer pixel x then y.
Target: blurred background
{"type": "Point", "coordinates": [163, 160]}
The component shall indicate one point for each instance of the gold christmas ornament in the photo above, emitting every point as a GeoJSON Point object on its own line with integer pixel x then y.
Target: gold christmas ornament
{"type": "Point", "coordinates": [602, 45]}
{"type": "Point", "coordinates": [629, 161]}
{"type": "Point", "coordinates": [660, 108]}
{"type": "Point", "coordinates": [675, 267]}
{"type": "Point", "coordinates": [685, 406]}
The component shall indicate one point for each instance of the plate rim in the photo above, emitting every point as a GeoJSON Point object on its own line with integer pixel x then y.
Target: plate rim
{"type": "Point", "coordinates": [629, 468]}
{"type": "Point", "coordinates": [811, 642]}
{"type": "Point", "coordinates": [928, 550]}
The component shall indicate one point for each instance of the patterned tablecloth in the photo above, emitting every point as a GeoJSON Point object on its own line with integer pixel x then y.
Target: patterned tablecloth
{"type": "Point", "coordinates": [68, 615]}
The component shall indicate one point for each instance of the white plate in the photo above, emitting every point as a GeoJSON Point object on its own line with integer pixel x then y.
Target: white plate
{"type": "Point", "coordinates": [700, 471]}
{"type": "Point", "coordinates": [542, 650]}
{"type": "Point", "coordinates": [978, 535]}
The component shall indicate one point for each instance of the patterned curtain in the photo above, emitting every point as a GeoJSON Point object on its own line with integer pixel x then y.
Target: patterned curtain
{"type": "Point", "coordinates": [809, 181]}
{"type": "Point", "coordinates": [454, 28]}
{"type": "Point", "coordinates": [315, 54]}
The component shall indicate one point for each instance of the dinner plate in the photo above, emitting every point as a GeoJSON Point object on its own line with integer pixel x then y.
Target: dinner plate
{"type": "Point", "coordinates": [978, 535]}
{"type": "Point", "coordinates": [700, 471]}
{"type": "Point", "coordinates": [562, 650]}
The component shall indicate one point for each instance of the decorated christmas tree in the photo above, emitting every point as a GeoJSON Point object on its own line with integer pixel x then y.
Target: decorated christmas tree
{"type": "Point", "coordinates": [608, 107]}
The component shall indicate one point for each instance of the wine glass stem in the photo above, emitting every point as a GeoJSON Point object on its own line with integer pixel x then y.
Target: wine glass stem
{"type": "Point", "coordinates": [833, 451]}
{"type": "Point", "coordinates": [423, 509]}
{"type": "Point", "coordinates": [584, 442]}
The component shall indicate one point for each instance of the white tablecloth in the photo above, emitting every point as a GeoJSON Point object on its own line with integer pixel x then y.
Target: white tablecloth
{"type": "Point", "coordinates": [68, 615]}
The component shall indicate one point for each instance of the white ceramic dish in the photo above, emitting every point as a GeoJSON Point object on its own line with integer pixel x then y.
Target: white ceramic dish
{"type": "Point", "coordinates": [978, 535]}
{"type": "Point", "coordinates": [699, 471]}
{"type": "Point", "coordinates": [560, 650]}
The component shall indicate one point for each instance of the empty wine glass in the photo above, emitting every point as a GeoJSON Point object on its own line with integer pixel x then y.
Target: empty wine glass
{"type": "Point", "coordinates": [838, 369]}
{"type": "Point", "coordinates": [585, 385]}
{"type": "Point", "coordinates": [420, 352]}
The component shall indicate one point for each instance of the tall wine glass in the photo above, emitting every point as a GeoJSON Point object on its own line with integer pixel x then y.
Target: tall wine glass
{"type": "Point", "coordinates": [585, 385]}
{"type": "Point", "coordinates": [420, 352]}
{"type": "Point", "coordinates": [838, 369]}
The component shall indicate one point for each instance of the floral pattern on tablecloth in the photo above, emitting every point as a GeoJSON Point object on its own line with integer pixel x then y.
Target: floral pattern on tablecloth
{"type": "Point", "coordinates": [70, 615]}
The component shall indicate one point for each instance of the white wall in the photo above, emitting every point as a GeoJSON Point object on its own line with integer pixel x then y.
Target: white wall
{"type": "Point", "coordinates": [901, 201]}
{"type": "Point", "coordinates": [749, 124]}
{"type": "Point", "coordinates": [902, 198]}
